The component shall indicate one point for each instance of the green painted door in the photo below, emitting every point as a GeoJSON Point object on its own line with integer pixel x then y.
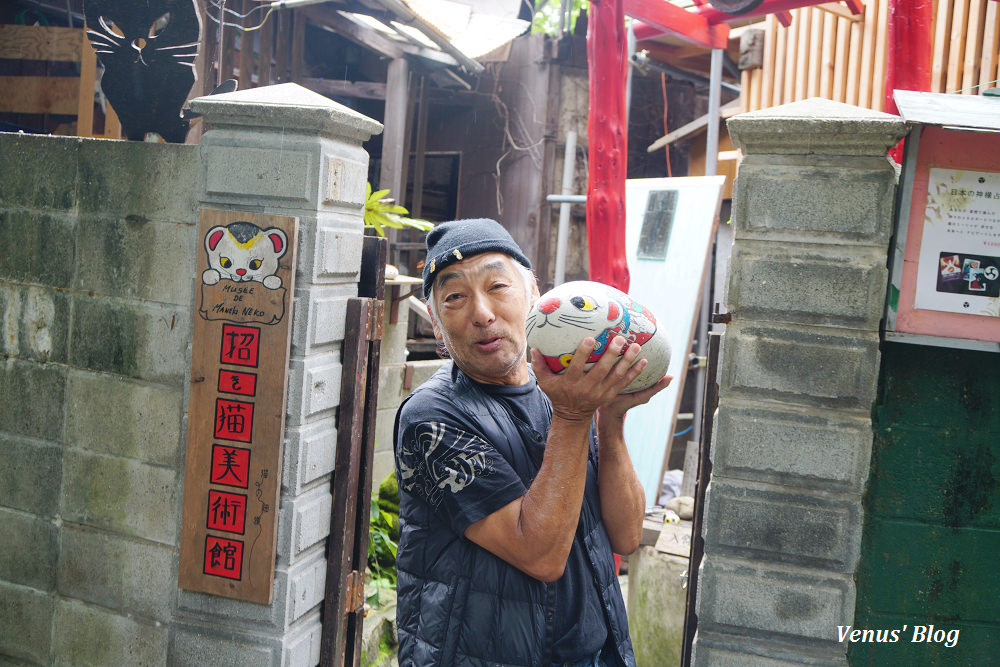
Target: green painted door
{"type": "Point", "coordinates": [931, 546]}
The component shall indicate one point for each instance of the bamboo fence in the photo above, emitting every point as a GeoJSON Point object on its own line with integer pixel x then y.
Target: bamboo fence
{"type": "Point", "coordinates": [826, 52]}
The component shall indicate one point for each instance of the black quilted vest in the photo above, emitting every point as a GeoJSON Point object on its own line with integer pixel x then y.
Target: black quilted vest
{"type": "Point", "coordinates": [458, 604]}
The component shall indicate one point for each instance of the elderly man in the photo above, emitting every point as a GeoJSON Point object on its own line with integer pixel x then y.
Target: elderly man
{"type": "Point", "coordinates": [515, 486]}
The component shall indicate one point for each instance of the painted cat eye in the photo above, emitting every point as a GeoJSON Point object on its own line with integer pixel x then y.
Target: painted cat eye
{"type": "Point", "coordinates": [159, 24]}
{"type": "Point", "coordinates": [111, 27]}
{"type": "Point", "coordinates": [583, 303]}
{"type": "Point", "coordinates": [255, 264]}
{"type": "Point", "coordinates": [225, 262]}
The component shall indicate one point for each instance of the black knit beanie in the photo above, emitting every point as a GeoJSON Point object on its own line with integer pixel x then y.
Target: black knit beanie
{"type": "Point", "coordinates": [454, 241]}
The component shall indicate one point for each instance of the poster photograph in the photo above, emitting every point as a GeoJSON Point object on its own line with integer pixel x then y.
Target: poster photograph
{"type": "Point", "coordinates": [959, 264]}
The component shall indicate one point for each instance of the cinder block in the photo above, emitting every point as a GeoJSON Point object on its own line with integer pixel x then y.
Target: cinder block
{"type": "Point", "coordinates": [813, 448]}
{"type": "Point", "coordinates": [777, 524]}
{"type": "Point", "coordinates": [345, 181]}
{"type": "Point", "coordinates": [313, 387]}
{"type": "Point", "coordinates": [31, 474]}
{"type": "Point", "coordinates": [136, 257]}
{"type": "Point", "coordinates": [815, 200]}
{"type": "Point", "coordinates": [87, 635]}
{"type": "Point", "coordinates": [390, 385]}
{"type": "Point", "coordinates": [799, 364]}
{"type": "Point", "coordinates": [145, 179]}
{"type": "Point", "coordinates": [121, 495]}
{"type": "Point", "coordinates": [303, 648]}
{"type": "Point", "coordinates": [212, 611]}
{"type": "Point", "coordinates": [21, 185]}
{"type": "Point", "coordinates": [25, 623]}
{"type": "Point", "coordinates": [128, 575]}
{"type": "Point", "coordinates": [28, 550]}
{"type": "Point", "coordinates": [735, 651]}
{"type": "Point", "coordinates": [318, 318]}
{"type": "Point", "coordinates": [197, 647]}
{"type": "Point", "coordinates": [281, 173]}
{"type": "Point", "coordinates": [38, 247]}
{"type": "Point", "coordinates": [816, 126]}
{"type": "Point", "coordinates": [306, 587]}
{"type": "Point", "coordinates": [304, 522]}
{"type": "Point", "coordinates": [309, 454]}
{"type": "Point", "coordinates": [31, 399]}
{"type": "Point", "coordinates": [111, 415]}
{"type": "Point", "coordinates": [338, 253]}
{"type": "Point", "coordinates": [34, 323]}
{"type": "Point", "coordinates": [811, 284]}
{"type": "Point", "coordinates": [142, 340]}
{"type": "Point", "coordinates": [773, 601]}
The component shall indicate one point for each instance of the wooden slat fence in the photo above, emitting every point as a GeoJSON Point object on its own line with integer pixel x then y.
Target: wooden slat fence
{"type": "Point", "coordinates": [826, 52]}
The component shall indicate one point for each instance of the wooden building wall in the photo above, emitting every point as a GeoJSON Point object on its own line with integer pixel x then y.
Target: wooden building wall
{"type": "Point", "coordinates": [826, 52]}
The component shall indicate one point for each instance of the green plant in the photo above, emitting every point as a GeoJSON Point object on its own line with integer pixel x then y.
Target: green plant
{"type": "Point", "coordinates": [546, 18]}
{"type": "Point", "coordinates": [383, 535]}
{"type": "Point", "coordinates": [382, 211]}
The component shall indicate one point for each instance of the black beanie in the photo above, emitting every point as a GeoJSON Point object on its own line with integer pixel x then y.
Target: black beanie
{"type": "Point", "coordinates": [456, 240]}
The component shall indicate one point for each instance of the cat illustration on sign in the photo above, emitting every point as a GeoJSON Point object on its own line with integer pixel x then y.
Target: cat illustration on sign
{"type": "Point", "coordinates": [242, 251]}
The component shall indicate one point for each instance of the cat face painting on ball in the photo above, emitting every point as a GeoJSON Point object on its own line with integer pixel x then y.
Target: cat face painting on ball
{"type": "Point", "coordinates": [565, 315]}
{"type": "Point", "coordinates": [242, 251]}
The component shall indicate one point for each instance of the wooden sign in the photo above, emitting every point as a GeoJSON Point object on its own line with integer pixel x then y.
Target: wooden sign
{"type": "Point", "coordinates": [675, 539]}
{"type": "Point", "coordinates": [236, 413]}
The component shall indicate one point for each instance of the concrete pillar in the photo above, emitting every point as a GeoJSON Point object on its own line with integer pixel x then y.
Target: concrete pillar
{"type": "Point", "coordinates": [288, 151]}
{"type": "Point", "coordinates": [812, 216]}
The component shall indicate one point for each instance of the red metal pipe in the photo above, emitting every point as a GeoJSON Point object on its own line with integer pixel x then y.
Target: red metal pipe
{"type": "Point", "coordinates": [606, 144]}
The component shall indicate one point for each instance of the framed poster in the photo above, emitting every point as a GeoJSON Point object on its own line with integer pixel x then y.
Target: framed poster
{"type": "Point", "coordinates": [945, 287]}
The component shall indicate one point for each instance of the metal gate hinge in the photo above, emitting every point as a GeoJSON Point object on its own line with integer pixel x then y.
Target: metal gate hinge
{"type": "Point", "coordinates": [354, 593]}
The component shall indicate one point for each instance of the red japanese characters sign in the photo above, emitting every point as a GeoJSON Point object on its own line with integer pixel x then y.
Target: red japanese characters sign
{"type": "Point", "coordinates": [239, 368]}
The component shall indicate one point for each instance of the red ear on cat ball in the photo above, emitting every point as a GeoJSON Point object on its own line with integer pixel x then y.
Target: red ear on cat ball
{"type": "Point", "coordinates": [214, 236]}
{"type": "Point", "coordinates": [277, 238]}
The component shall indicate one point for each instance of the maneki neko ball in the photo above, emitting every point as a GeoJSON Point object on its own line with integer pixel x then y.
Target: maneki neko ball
{"type": "Point", "coordinates": [565, 315]}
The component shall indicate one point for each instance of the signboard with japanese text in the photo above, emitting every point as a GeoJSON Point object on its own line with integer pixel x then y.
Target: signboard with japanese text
{"type": "Point", "coordinates": [236, 407]}
{"type": "Point", "coordinates": [945, 281]}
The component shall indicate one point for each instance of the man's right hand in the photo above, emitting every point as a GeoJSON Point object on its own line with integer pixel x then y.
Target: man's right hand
{"type": "Point", "coordinates": [578, 392]}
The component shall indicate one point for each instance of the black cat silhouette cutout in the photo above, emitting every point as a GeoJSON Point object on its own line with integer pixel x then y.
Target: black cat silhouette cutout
{"type": "Point", "coordinates": [148, 48]}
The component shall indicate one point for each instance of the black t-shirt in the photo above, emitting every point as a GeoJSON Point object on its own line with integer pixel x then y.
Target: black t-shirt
{"type": "Point", "coordinates": [465, 479]}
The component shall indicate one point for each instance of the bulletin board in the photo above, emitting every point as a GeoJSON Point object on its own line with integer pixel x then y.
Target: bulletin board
{"type": "Point", "coordinates": [945, 287]}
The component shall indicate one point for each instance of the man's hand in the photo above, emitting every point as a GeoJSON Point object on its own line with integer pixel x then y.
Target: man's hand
{"type": "Point", "coordinates": [625, 402]}
{"type": "Point", "coordinates": [578, 392]}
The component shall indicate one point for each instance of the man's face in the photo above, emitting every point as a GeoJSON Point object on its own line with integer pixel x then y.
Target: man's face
{"type": "Point", "coordinates": [481, 307]}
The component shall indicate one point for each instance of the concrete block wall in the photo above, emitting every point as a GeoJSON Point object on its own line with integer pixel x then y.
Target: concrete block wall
{"type": "Point", "coordinates": [812, 215]}
{"type": "Point", "coordinates": [96, 277]}
{"type": "Point", "coordinates": [284, 150]}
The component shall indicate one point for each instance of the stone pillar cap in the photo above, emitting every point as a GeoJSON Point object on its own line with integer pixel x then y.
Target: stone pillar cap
{"type": "Point", "coordinates": [285, 106]}
{"type": "Point", "coordinates": [816, 126]}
